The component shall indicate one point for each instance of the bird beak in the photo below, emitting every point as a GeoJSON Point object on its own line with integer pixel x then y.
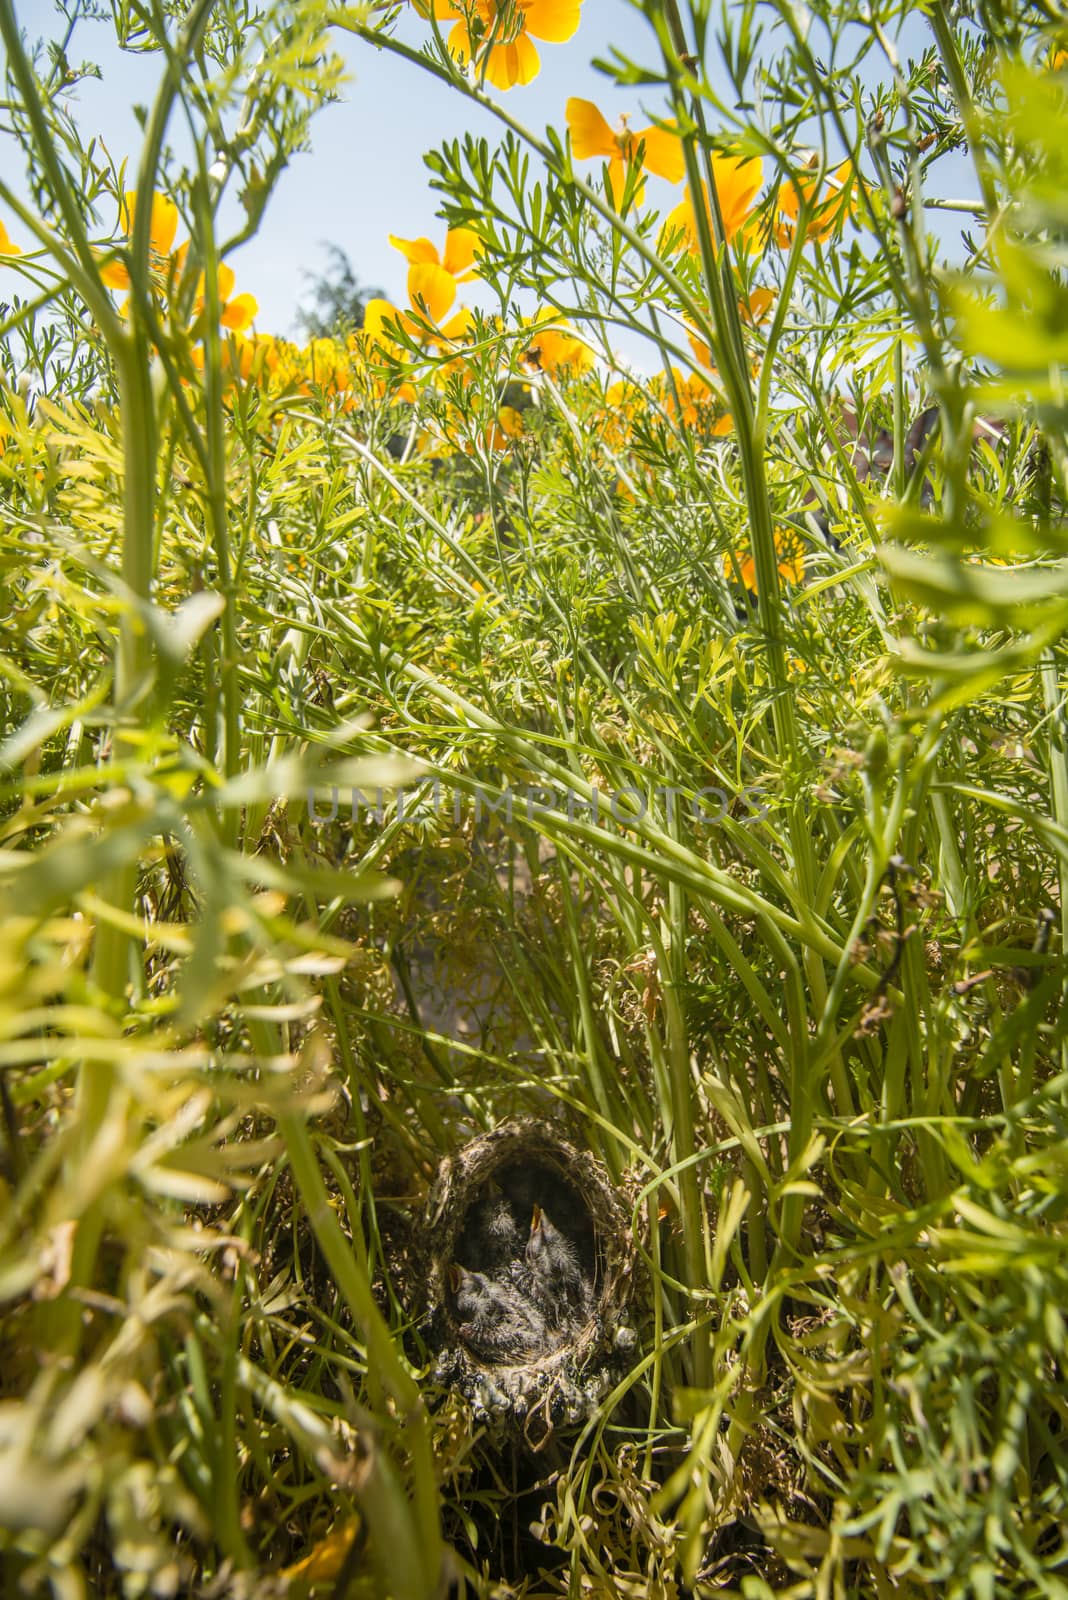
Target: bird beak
{"type": "Point", "coordinates": [535, 1221]}
{"type": "Point", "coordinates": [456, 1277]}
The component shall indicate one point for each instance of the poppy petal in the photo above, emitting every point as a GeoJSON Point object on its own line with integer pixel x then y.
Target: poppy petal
{"type": "Point", "coordinates": [590, 133]}
{"type": "Point", "coordinates": [702, 352]}
{"type": "Point", "coordinates": [460, 43]}
{"type": "Point", "coordinates": [432, 290]}
{"type": "Point", "coordinates": [164, 224]}
{"type": "Point", "coordinates": [376, 315]}
{"type": "Point", "coordinates": [510, 64]}
{"type": "Point", "coordinates": [759, 303]}
{"type": "Point", "coordinates": [663, 154]}
{"type": "Point", "coordinates": [555, 21]}
{"type": "Point", "coordinates": [416, 251]}
{"type": "Point", "coordinates": [240, 313]}
{"type": "Point", "coordinates": [737, 185]}
{"type": "Point", "coordinates": [678, 228]}
{"type": "Point", "coordinates": [462, 247]}
{"type": "Point", "coordinates": [115, 275]}
{"type": "Point", "coordinates": [459, 326]}
{"type": "Point", "coordinates": [554, 348]}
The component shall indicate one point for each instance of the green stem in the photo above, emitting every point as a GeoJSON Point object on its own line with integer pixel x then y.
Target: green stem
{"type": "Point", "coordinates": [1054, 699]}
{"type": "Point", "coordinates": [216, 486]}
{"type": "Point", "coordinates": [667, 947]}
{"type": "Point", "coordinates": [409, 1543]}
{"type": "Point", "coordinates": [89, 282]}
{"type": "Point", "coordinates": [953, 67]}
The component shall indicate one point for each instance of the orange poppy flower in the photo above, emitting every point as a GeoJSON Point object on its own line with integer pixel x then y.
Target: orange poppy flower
{"type": "Point", "coordinates": [376, 331]}
{"type": "Point", "coordinates": [379, 313]}
{"type": "Point", "coordinates": [624, 403]}
{"type": "Point", "coordinates": [236, 312]}
{"type": "Point", "coordinates": [504, 51]}
{"type": "Point", "coordinates": [591, 136]}
{"type": "Point", "coordinates": [238, 358]}
{"type": "Point", "coordinates": [738, 183]}
{"type": "Point", "coordinates": [500, 435]}
{"type": "Point", "coordinates": [268, 356]}
{"type": "Point", "coordinates": [6, 247]}
{"type": "Point", "coordinates": [376, 340]}
{"type": "Point", "coordinates": [833, 209]}
{"type": "Point", "coordinates": [791, 553]}
{"type": "Point", "coordinates": [752, 310]}
{"type": "Point", "coordinates": [327, 365]}
{"type": "Point", "coordinates": [161, 231]}
{"type": "Point", "coordinates": [554, 348]}
{"type": "Point", "coordinates": [694, 400]}
{"type": "Point", "coordinates": [756, 307]}
{"type": "Point", "coordinates": [433, 278]}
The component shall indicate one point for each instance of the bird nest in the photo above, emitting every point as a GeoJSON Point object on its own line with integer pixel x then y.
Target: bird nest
{"type": "Point", "coordinates": [528, 1262]}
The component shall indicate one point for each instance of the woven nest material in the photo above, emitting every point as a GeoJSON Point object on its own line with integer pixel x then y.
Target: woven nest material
{"type": "Point", "coordinates": [576, 1334]}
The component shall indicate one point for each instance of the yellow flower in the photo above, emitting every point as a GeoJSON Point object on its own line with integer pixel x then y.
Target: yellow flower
{"type": "Point", "coordinates": [6, 247]}
{"type": "Point", "coordinates": [791, 553]}
{"type": "Point", "coordinates": [433, 278]}
{"type": "Point", "coordinates": [497, 435]}
{"type": "Point", "coordinates": [752, 310]}
{"type": "Point", "coordinates": [236, 312]}
{"type": "Point", "coordinates": [694, 399]}
{"type": "Point", "coordinates": [375, 333]}
{"type": "Point", "coordinates": [554, 348]}
{"type": "Point", "coordinates": [258, 358]}
{"type": "Point", "coordinates": [511, 422]}
{"type": "Point", "coordinates": [504, 51]}
{"type": "Point", "coordinates": [701, 350]}
{"type": "Point", "coordinates": [624, 403]}
{"type": "Point", "coordinates": [832, 210]}
{"type": "Point", "coordinates": [591, 136]}
{"type": "Point", "coordinates": [738, 183]}
{"type": "Point", "coordinates": [756, 307]}
{"type": "Point", "coordinates": [327, 365]}
{"type": "Point", "coordinates": [161, 231]}
{"type": "Point", "coordinates": [375, 340]}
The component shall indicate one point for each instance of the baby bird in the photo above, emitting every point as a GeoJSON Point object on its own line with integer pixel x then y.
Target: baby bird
{"type": "Point", "coordinates": [497, 1237]}
{"type": "Point", "coordinates": [499, 1322]}
{"type": "Point", "coordinates": [553, 1271]}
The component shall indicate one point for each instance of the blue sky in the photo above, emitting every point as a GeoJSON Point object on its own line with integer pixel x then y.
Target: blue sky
{"type": "Point", "coordinates": [365, 177]}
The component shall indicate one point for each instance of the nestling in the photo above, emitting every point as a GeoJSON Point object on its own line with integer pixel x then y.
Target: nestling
{"type": "Point", "coordinates": [556, 1282]}
{"type": "Point", "coordinates": [499, 1322]}
{"type": "Point", "coordinates": [497, 1236]}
